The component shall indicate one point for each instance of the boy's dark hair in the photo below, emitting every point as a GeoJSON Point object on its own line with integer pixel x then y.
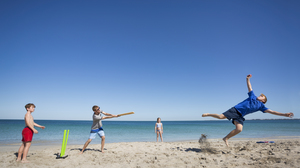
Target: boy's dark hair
{"type": "Point", "coordinates": [95, 108]}
{"type": "Point", "coordinates": [29, 105]}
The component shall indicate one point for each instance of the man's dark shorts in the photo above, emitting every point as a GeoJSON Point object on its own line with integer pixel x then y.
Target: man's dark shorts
{"type": "Point", "coordinates": [234, 115]}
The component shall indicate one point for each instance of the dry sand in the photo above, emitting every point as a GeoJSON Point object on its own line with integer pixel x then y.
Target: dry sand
{"type": "Point", "coordinates": [241, 153]}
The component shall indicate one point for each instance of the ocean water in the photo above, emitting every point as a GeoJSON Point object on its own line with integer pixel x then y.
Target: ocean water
{"type": "Point", "coordinates": [143, 131]}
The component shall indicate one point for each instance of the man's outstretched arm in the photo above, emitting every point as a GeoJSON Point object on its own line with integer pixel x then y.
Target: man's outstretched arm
{"type": "Point", "coordinates": [279, 114]}
{"type": "Point", "coordinates": [248, 83]}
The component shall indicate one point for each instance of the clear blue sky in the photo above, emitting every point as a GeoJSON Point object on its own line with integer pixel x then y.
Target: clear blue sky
{"type": "Point", "coordinates": [170, 59]}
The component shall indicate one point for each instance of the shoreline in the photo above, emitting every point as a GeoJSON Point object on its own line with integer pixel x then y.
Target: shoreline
{"type": "Point", "coordinates": [22, 119]}
{"type": "Point", "coordinates": [37, 145]}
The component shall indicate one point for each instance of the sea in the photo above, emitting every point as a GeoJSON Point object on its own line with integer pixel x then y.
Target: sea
{"type": "Point", "coordinates": [143, 131]}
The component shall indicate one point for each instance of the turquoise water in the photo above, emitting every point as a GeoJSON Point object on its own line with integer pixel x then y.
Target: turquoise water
{"type": "Point", "coordinates": [143, 131]}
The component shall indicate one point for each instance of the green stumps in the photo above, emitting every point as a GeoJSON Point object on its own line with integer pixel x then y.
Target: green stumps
{"type": "Point", "coordinates": [64, 145]}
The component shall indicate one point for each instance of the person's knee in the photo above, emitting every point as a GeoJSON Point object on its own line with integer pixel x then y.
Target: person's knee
{"type": "Point", "coordinates": [239, 130]}
{"type": "Point", "coordinates": [103, 137]}
{"type": "Point", "coordinates": [28, 143]}
{"type": "Point", "coordinates": [239, 127]}
{"type": "Point", "coordinates": [221, 116]}
{"type": "Point", "coordinates": [89, 140]}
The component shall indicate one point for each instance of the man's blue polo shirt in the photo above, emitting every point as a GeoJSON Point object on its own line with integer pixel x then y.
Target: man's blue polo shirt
{"type": "Point", "coordinates": [250, 105]}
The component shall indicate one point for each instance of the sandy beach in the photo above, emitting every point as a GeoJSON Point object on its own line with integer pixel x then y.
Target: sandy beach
{"type": "Point", "coordinates": [212, 153]}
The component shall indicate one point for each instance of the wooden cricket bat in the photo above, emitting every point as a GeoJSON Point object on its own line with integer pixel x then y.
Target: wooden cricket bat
{"type": "Point", "coordinates": [126, 113]}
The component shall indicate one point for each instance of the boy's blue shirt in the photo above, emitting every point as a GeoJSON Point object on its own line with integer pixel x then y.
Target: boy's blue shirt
{"type": "Point", "coordinates": [250, 105]}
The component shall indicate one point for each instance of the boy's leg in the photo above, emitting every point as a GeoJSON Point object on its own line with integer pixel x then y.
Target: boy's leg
{"type": "Point", "coordinates": [161, 138]}
{"type": "Point", "coordinates": [102, 143]}
{"type": "Point", "coordinates": [238, 129]}
{"type": "Point", "coordinates": [20, 151]}
{"type": "Point", "coordinates": [26, 149]}
{"type": "Point", "coordinates": [157, 135]}
{"type": "Point", "coordinates": [85, 145]}
{"type": "Point", "coordinates": [218, 116]}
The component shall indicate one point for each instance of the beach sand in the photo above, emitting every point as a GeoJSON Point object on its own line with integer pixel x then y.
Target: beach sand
{"type": "Point", "coordinates": [212, 153]}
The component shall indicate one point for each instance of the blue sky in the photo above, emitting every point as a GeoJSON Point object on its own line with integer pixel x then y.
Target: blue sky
{"type": "Point", "coordinates": [170, 59]}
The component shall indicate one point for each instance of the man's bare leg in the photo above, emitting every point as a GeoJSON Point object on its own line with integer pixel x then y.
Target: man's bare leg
{"type": "Point", "coordinates": [238, 129]}
{"type": "Point", "coordinates": [85, 145]}
{"type": "Point", "coordinates": [20, 152]}
{"type": "Point", "coordinates": [102, 143]}
{"type": "Point", "coordinates": [218, 116]}
{"type": "Point", "coordinates": [25, 152]}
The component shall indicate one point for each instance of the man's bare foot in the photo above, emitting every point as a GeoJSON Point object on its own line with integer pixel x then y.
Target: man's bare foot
{"type": "Point", "coordinates": [226, 141]}
{"type": "Point", "coordinates": [24, 161]}
{"type": "Point", "coordinates": [18, 160]}
{"type": "Point", "coordinates": [205, 115]}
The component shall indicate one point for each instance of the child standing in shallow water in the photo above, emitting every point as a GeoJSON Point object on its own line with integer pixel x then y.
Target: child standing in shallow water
{"type": "Point", "coordinates": [159, 129]}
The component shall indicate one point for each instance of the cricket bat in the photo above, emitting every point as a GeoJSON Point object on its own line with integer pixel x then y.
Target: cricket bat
{"type": "Point", "coordinates": [126, 113]}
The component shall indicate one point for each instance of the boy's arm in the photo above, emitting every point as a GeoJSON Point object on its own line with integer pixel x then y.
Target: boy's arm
{"type": "Point", "coordinates": [37, 125]}
{"type": "Point", "coordinates": [248, 83]}
{"type": "Point", "coordinates": [279, 114]}
{"type": "Point", "coordinates": [112, 116]}
{"type": "Point", "coordinates": [155, 128]}
{"type": "Point", "coordinates": [107, 114]}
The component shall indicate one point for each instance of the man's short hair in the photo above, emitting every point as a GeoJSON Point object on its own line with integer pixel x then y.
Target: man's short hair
{"type": "Point", "coordinates": [265, 98]}
{"type": "Point", "coordinates": [29, 105]}
{"type": "Point", "coordinates": [95, 108]}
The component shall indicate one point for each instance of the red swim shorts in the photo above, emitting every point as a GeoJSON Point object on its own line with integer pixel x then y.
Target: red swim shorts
{"type": "Point", "coordinates": [27, 134]}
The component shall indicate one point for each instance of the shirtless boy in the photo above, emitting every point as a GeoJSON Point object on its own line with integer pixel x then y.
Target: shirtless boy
{"type": "Point", "coordinates": [27, 132]}
{"type": "Point", "coordinates": [250, 105]}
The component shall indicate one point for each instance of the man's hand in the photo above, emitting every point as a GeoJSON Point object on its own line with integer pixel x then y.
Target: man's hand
{"type": "Point", "coordinates": [248, 83]}
{"type": "Point", "coordinates": [291, 115]}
